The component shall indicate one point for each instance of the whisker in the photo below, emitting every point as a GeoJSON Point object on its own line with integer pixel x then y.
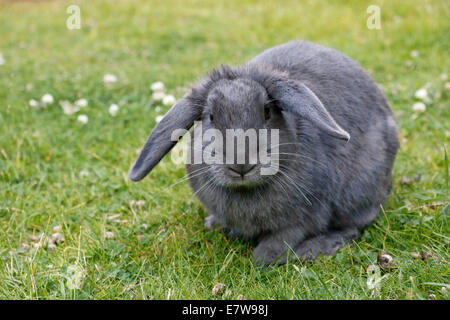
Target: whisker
{"type": "Point", "coordinates": [295, 154]}
{"type": "Point", "coordinates": [184, 178]}
{"type": "Point", "coordinates": [208, 182]}
{"type": "Point", "coordinates": [308, 158]}
{"type": "Point", "coordinates": [296, 185]}
{"type": "Point", "coordinates": [305, 188]}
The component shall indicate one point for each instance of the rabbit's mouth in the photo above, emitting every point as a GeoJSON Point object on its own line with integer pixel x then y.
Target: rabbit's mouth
{"type": "Point", "coordinates": [238, 176]}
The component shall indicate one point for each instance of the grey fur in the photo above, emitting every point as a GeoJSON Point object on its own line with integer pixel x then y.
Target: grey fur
{"type": "Point", "coordinates": [327, 190]}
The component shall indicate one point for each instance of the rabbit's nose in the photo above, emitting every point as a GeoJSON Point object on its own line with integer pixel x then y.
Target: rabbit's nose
{"type": "Point", "coordinates": [240, 169]}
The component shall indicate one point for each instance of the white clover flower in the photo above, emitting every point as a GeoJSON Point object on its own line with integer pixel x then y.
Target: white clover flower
{"type": "Point", "coordinates": [140, 203]}
{"type": "Point", "coordinates": [157, 86]}
{"type": "Point", "coordinates": [82, 103]}
{"type": "Point", "coordinates": [109, 79]}
{"type": "Point", "coordinates": [159, 118]}
{"type": "Point", "coordinates": [447, 86]}
{"type": "Point", "coordinates": [47, 99]}
{"type": "Point", "coordinates": [57, 238]}
{"type": "Point", "coordinates": [444, 77]}
{"type": "Point", "coordinates": [109, 235]}
{"type": "Point", "coordinates": [75, 277]}
{"type": "Point", "coordinates": [113, 109]}
{"type": "Point", "coordinates": [421, 94]}
{"type": "Point", "coordinates": [83, 118]}
{"type": "Point", "coordinates": [218, 288]}
{"type": "Point", "coordinates": [2, 59]}
{"type": "Point", "coordinates": [33, 104]}
{"type": "Point", "coordinates": [158, 95]}
{"type": "Point", "coordinates": [414, 54]}
{"type": "Point", "coordinates": [169, 100]}
{"type": "Point", "coordinates": [419, 107]}
{"type": "Point", "coordinates": [374, 277]}
{"type": "Point", "coordinates": [84, 173]}
{"type": "Point", "coordinates": [68, 107]}
{"type": "Point", "coordinates": [158, 109]}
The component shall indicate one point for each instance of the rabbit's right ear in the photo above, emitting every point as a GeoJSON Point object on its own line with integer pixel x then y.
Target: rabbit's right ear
{"type": "Point", "coordinates": [295, 97]}
{"type": "Point", "coordinates": [181, 116]}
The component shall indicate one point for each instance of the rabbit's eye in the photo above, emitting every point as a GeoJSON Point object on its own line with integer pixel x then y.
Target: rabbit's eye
{"type": "Point", "coordinates": [211, 118]}
{"type": "Point", "coordinates": [267, 113]}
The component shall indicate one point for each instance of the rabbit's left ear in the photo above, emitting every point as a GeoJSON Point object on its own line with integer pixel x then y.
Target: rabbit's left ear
{"type": "Point", "coordinates": [293, 96]}
{"type": "Point", "coordinates": [181, 116]}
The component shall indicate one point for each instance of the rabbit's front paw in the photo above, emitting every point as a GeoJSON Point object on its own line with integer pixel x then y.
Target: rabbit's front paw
{"type": "Point", "coordinates": [273, 247]}
{"type": "Point", "coordinates": [211, 223]}
{"type": "Point", "coordinates": [325, 244]}
{"type": "Point", "coordinates": [267, 252]}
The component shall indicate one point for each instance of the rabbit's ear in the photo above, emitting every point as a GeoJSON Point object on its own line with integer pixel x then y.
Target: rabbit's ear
{"type": "Point", "coordinates": [295, 97]}
{"type": "Point", "coordinates": [181, 116]}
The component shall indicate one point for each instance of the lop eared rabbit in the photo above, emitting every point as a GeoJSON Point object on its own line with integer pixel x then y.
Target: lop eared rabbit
{"type": "Point", "coordinates": [337, 144]}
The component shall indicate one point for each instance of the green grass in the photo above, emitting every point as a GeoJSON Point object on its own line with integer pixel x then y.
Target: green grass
{"type": "Point", "coordinates": [161, 249]}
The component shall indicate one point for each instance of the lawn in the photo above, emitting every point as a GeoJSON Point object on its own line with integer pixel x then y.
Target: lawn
{"type": "Point", "coordinates": [64, 178]}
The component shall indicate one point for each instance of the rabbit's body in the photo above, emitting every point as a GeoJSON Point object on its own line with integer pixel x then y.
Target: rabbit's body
{"type": "Point", "coordinates": [326, 190]}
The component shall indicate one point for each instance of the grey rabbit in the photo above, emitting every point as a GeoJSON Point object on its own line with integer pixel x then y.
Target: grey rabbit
{"type": "Point", "coordinates": [337, 145]}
